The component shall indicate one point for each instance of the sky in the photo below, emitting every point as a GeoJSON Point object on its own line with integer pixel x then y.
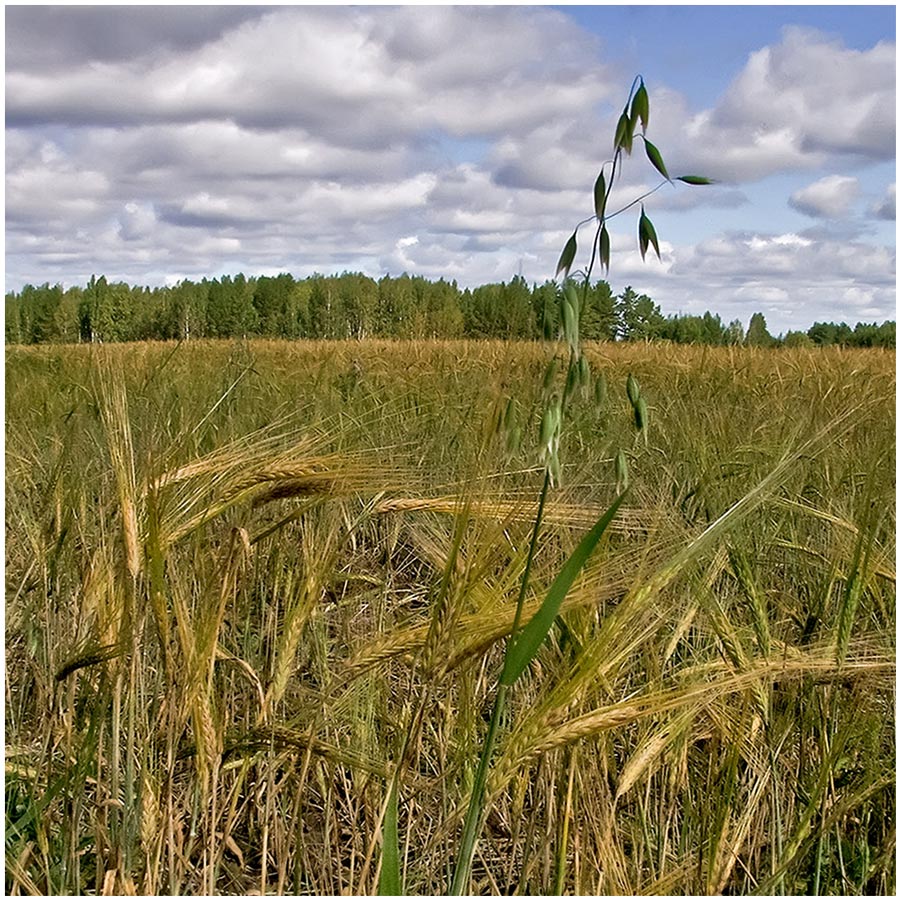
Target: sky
{"type": "Point", "coordinates": [155, 144]}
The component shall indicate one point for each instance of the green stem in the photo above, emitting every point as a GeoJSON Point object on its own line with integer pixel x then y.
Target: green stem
{"type": "Point", "coordinates": [636, 200]}
{"type": "Point", "coordinates": [472, 826]}
{"type": "Point", "coordinates": [532, 547]}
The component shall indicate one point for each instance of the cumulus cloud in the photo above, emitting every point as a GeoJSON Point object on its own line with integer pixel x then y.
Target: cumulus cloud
{"type": "Point", "coordinates": [830, 197]}
{"type": "Point", "coordinates": [137, 221]}
{"type": "Point", "coordinates": [791, 277]}
{"type": "Point", "coordinates": [886, 207]}
{"type": "Point", "coordinates": [48, 188]}
{"type": "Point", "coordinates": [59, 37]}
{"type": "Point", "coordinates": [794, 105]}
{"type": "Point", "coordinates": [357, 77]}
{"type": "Point", "coordinates": [800, 84]}
{"type": "Point", "coordinates": [792, 256]}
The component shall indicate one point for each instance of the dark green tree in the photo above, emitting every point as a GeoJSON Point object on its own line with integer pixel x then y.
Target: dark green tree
{"type": "Point", "coordinates": [639, 318]}
{"type": "Point", "coordinates": [13, 319]}
{"type": "Point", "coordinates": [887, 335]}
{"type": "Point", "coordinates": [794, 339]}
{"type": "Point", "coordinates": [515, 309]}
{"type": "Point", "coordinates": [325, 312]}
{"type": "Point", "coordinates": [826, 334]}
{"type": "Point", "coordinates": [599, 317]}
{"type": "Point", "coordinates": [229, 307]}
{"type": "Point", "coordinates": [354, 305]}
{"type": "Point", "coordinates": [296, 314]}
{"type": "Point", "coordinates": [483, 311]}
{"type": "Point", "coordinates": [758, 333]}
{"type": "Point", "coordinates": [712, 330]}
{"type": "Point", "coordinates": [67, 325]}
{"type": "Point", "coordinates": [396, 307]}
{"type": "Point", "coordinates": [864, 335]}
{"type": "Point", "coordinates": [358, 298]}
{"type": "Point", "coordinates": [106, 311]}
{"type": "Point", "coordinates": [271, 300]}
{"type": "Point", "coordinates": [545, 310]}
{"type": "Point", "coordinates": [43, 304]}
{"type": "Point", "coordinates": [443, 315]}
{"type": "Point", "coordinates": [187, 310]}
{"type": "Point", "coordinates": [682, 329]}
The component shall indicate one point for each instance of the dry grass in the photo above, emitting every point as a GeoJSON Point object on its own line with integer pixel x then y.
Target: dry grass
{"type": "Point", "coordinates": [248, 585]}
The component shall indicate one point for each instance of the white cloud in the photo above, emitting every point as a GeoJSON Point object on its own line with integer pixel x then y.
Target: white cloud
{"type": "Point", "coordinates": [60, 36]}
{"type": "Point", "coordinates": [355, 77]}
{"type": "Point", "coordinates": [831, 98]}
{"type": "Point", "coordinates": [795, 104]}
{"type": "Point", "coordinates": [886, 207]}
{"type": "Point", "coordinates": [137, 221]}
{"type": "Point", "coordinates": [830, 197]}
{"type": "Point", "coordinates": [792, 257]}
{"type": "Point", "coordinates": [360, 201]}
{"type": "Point", "coordinates": [791, 278]}
{"type": "Point", "coordinates": [49, 188]}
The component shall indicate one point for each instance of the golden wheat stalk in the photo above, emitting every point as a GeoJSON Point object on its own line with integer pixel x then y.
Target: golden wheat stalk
{"type": "Point", "coordinates": [555, 512]}
{"type": "Point", "coordinates": [113, 403]}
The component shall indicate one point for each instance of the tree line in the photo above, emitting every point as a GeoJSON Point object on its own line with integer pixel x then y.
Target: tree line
{"type": "Point", "coordinates": [352, 305]}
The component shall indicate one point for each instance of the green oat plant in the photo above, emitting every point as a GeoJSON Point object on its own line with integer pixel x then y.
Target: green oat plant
{"type": "Point", "coordinates": [526, 638]}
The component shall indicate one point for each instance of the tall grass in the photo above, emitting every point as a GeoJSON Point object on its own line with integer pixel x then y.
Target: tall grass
{"type": "Point", "coordinates": [256, 591]}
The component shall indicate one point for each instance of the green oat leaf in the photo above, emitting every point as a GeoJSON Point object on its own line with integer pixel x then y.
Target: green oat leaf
{"type": "Point", "coordinates": [694, 179]}
{"type": "Point", "coordinates": [570, 324]}
{"type": "Point", "coordinates": [621, 472]}
{"type": "Point", "coordinates": [601, 390]}
{"type": "Point", "coordinates": [584, 374]}
{"type": "Point", "coordinates": [550, 373]}
{"type": "Point", "coordinates": [571, 293]}
{"type": "Point", "coordinates": [640, 414]}
{"type": "Point", "coordinates": [525, 647]}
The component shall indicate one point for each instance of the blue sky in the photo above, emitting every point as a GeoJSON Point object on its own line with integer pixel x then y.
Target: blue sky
{"type": "Point", "coordinates": [153, 144]}
{"type": "Point", "coordinates": [698, 49]}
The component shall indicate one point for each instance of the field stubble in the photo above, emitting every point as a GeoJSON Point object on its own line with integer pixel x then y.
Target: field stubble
{"type": "Point", "coordinates": [241, 578]}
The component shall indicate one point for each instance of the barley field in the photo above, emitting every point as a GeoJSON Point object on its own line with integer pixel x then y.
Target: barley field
{"type": "Point", "coordinates": [249, 585]}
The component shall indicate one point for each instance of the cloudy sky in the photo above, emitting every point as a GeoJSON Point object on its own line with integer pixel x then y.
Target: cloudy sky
{"type": "Point", "coordinates": [152, 144]}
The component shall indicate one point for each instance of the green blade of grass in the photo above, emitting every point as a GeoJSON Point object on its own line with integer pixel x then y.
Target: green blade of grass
{"type": "Point", "coordinates": [389, 879]}
{"type": "Point", "coordinates": [521, 649]}
{"type": "Point", "coordinates": [524, 648]}
{"type": "Point", "coordinates": [462, 871]}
